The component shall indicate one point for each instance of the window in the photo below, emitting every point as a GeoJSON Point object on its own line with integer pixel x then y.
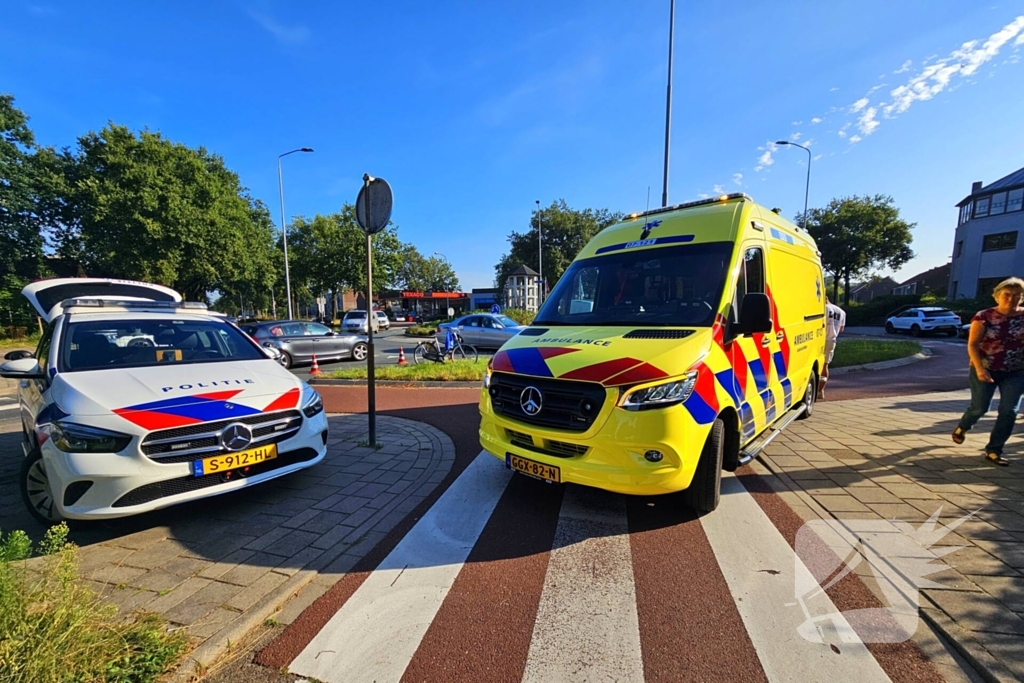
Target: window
{"type": "Point", "coordinates": [293, 330]}
{"type": "Point", "coordinates": [317, 330]}
{"type": "Point", "coordinates": [998, 204]}
{"type": "Point", "coordinates": [986, 285]}
{"type": "Point", "coordinates": [1013, 200]}
{"type": "Point", "coordinates": [1000, 241]}
{"type": "Point", "coordinates": [43, 350]}
{"type": "Point", "coordinates": [965, 212]}
{"type": "Point", "coordinates": [981, 207]}
{"type": "Point", "coordinates": [960, 248]}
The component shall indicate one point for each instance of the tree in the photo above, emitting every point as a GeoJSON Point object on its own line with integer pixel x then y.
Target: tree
{"type": "Point", "coordinates": [564, 231]}
{"type": "Point", "coordinates": [858, 234]}
{"type": "Point", "coordinates": [417, 273]}
{"type": "Point", "coordinates": [146, 208]}
{"type": "Point", "coordinates": [327, 254]}
{"type": "Point", "coordinates": [21, 243]}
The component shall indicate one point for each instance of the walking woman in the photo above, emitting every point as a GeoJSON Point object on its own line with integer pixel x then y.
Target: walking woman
{"type": "Point", "coordinates": [996, 349]}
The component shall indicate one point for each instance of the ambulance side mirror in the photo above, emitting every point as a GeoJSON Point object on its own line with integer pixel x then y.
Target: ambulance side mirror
{"type": "Point", "coordinates": [755, 314]}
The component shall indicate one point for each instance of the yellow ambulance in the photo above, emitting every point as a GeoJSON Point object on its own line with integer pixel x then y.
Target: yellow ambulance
{"type": "Point", "coordinates": [677, 344]}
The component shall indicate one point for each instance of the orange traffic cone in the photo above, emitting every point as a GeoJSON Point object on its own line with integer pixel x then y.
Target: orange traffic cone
{"type": "Point", "coordinates": [315, 370]}
{"type": "Point", "coordinates": [401, 356]}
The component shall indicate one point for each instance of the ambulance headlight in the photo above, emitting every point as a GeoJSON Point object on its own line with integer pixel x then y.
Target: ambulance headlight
{"type": "Point", "coordinates": [660, 395]}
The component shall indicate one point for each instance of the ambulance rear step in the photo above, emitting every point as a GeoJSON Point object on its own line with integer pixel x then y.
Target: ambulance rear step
{"type": "Point", "coordinates": [755, 447]}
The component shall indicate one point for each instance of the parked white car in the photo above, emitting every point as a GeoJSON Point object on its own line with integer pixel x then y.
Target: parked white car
{"type": "Point", "coordinates": [385, 324]}
{"type": "Point", "coordinates": [113, 430]}
{"type": "Point", "coordinates": [924, 319]}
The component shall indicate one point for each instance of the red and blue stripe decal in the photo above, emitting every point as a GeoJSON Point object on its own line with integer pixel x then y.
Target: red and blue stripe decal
{"type": "Point", "coordinates": [703, 401]}
{"type": "Point", "coordinates": [186, 410]}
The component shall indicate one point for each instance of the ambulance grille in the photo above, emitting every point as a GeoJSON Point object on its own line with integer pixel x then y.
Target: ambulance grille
{"type": "Point", "coordinates": [533, 331]}
{"type": "Point", "coordinates": [559, 449]}
{"type": "Point", "coordinates": [565, 404]}
{"type": "Point", "coordinates": [657, 334]}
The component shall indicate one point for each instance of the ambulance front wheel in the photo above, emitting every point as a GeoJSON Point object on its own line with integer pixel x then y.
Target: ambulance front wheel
{"type": "Point", "coordinates": [705, 489]}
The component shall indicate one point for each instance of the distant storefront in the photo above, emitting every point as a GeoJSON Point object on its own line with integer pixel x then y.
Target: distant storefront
{"type": "Point", "coordinates": [427, 305]}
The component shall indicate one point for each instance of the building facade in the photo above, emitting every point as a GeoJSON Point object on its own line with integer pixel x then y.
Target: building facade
{"type": "Point", "coordinates": [522, 289]}
{"type": "Point", "coordinates": [987, 248]}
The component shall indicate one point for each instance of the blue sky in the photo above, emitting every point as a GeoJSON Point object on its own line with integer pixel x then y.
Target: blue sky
{"type": "Point", "coordinates": [472, 111]}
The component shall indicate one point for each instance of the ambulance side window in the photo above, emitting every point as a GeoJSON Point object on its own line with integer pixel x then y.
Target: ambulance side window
{"type": "Point", "coordinates": [751, 276]}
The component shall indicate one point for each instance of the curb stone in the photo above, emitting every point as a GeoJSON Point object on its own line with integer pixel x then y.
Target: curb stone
{"type": "Point", "coordinates": [923, 354]}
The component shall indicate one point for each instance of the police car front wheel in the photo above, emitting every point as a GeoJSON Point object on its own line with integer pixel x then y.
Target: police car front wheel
{"type": "Point", "coordinates": [35, 489]}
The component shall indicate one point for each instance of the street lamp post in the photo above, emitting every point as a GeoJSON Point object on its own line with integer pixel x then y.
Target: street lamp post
{"type": "Point", "coordinates": [284, 230]}
{"type": "Point", "coordinates": [807, 190]}
{"type": "Point", "coordinates": [668, 99]}
{"type": "Point", "coordinates": [437, 253]}
{"type": "Point", "coordinates": [540, 256]}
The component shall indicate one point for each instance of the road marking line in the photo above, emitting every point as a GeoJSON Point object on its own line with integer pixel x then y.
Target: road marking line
{"type": "Point", "coordinates": [587, 627]}
{"type": "Point", "coordinates": [5, 406]}
{"type": "Point", "coordinates": [377, 631]}
{"type": "Point", "coordinates": [759, 565]}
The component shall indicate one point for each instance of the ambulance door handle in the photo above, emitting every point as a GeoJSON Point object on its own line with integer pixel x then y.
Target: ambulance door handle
{"type": "Point", "coordinates": [766, 341]}
{"type": "Point", "coordinates": [780, 336]}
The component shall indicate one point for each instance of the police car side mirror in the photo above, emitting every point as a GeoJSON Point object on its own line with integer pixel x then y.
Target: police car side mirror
{"type": "Point", "coordinates": [755, 314]}
{"type": "Point", "coordinates": [24, 368]}
{"type": "Point", "coordinates": [18, 354]}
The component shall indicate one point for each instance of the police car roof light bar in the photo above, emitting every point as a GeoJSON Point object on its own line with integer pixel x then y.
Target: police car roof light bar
{"type": "Point", "coordinates": [101, 303]}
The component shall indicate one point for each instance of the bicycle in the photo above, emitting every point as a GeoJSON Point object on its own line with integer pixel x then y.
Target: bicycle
{"type": "Point", "coordinates": [431, 351]}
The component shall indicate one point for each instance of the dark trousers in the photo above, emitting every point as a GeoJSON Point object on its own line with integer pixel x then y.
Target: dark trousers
{"type": "Point", "coordinates": [1011, 386]}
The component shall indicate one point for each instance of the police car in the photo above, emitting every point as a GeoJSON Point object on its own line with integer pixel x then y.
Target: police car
{"type": "Point", "coordinates": [115, 429]}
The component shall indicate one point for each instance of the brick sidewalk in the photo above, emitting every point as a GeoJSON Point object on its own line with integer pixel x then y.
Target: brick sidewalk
{"type": "Point", "coordinates": [233, 561]}
{"type": "Point", "coordinates": [892, 458]}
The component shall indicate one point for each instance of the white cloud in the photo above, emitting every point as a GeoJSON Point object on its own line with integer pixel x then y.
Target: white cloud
{"type": "Point", "coordinates": [718, 189]}
{"type": "Point", "coordinates": [815, 121]}
{"type": "Point", "coordinates": [818, 156]}
{"type": "Point", "coordinates": [877, 87]}
{"type": "Point", "coordinates": [1020, 40]}
{"type": "Point", "coordinates": [289, 35]}
{"type": "Point", "coordinates": [795, 137]}
{"type": "Point", "coordinates": [703, 195]}
{"type": "Point", "coordinates": [833, 89]}
{"type": "Point", "coordinates": [842, 131]}
{"type": "Point", "coordinates": [796, 123]}
{"type": "Point", "coordinates": [866, 123]}
{"type": "Point", "coordinates": [854, 139]}
{"type": "Point", "coordinates": [738, 178]}
{"type": "Point", "coordinates": [905, 68]}
{"type": "Point", "coordinates": [962, 62]}
{"type": "Point", "coordinates": [766, 160]}
{"type": "Point", "coordinates": [859, 104]}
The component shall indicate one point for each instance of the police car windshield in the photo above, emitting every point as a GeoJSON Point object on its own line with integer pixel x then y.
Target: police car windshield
{"type": "Point", "coordinates": [678, 286]}
{"type": "Point", "coordinates": [101, 344]}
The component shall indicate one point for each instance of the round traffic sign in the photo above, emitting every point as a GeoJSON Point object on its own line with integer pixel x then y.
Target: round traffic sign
{"type": "Point", "coordinates": [373, 205]}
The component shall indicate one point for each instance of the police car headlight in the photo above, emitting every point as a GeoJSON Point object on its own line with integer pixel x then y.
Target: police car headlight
{"type": "Point", "coordinates": [76, 438]}
{"type": "Point", "coordinates": [660, 395]}
{"type": "Point", "coordinates": [312, 404]}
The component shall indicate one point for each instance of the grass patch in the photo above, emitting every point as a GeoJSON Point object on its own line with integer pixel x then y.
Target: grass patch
{"type": "Point", "coordinates": [52, 629]}
{"type": "Point", "coordinates": [860, 351]}
{"type": "Point", "coordinates": [420, 330]}
{"type": "Point", "coordinates": [9, 344]}
{"type": "Point", "coordinates": [457, 371]}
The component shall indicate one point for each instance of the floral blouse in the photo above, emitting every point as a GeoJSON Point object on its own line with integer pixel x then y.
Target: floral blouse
{"type": "Point", "coordinates": [1002, 344]}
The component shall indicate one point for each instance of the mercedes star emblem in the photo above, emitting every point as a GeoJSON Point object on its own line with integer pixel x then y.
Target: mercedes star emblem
{"type": "Point", "coordinates": [236, 436]}
{"type": "Point", "coordinates": [531, 400]}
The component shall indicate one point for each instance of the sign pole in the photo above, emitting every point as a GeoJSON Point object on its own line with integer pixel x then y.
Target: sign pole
{"type": "Point", "coordinates": [371, 396]}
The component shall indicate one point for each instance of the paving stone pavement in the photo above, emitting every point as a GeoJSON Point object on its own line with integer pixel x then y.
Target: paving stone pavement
{"type": "Point", "coordinates": [892, 458]}
{"type": "Point", "coordinates": [219, 567]}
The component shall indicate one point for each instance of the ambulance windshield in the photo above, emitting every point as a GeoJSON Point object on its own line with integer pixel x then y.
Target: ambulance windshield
{"type": "Point", "coordinates": [678, 286]}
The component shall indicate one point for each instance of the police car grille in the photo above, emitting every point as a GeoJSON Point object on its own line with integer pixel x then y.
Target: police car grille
{"type": "Point", "coordinates": [185, 444]}
{"type": "Point", "coordinates": [172, 487]}
{"type": "Point", "coordinates": [563, 402]}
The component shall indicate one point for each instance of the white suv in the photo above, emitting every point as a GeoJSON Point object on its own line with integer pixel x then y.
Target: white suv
{"type": "Point", "coordinates": [922, 319]}
{"type": "Point", "coordinates": [188, 407]}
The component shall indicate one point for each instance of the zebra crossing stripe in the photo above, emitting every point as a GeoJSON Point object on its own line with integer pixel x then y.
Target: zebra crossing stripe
{"type": "Point", "coordinates": [375, 634]}
{"type": "Point", "coordinates": [8, 406]}
{"type": "Point", "coordinates": [759, 566]}
{"type": "Point", "coordinates": [587, 627]}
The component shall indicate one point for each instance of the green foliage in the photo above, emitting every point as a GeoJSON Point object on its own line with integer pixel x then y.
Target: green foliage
{"type": "Point", "coordinates": [876, 311]}
{"type": "Point", "coordinates": [858, 234]}
{"type": "Point", "coordinates": [54, 630]}
{"type": "Point", "coordinates": [327, 254]}
{"type": "Point", "coordinates": [520, 315]}
{"type": "Point", "coordinates": [146, 208]}
{"type": "Point", "coordinates": [860, 351]}
{"type": "Point", "coordinates": [564, 233]}
{"type": "Point", "coordinates": [420, 330]}
{"type": "Point", "coordinates": [417, 273]}
{"type": "Point", "coordinates": [449, 371]}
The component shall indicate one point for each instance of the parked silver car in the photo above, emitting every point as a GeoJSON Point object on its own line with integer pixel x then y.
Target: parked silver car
{"type": "Point", "coordinates": [482, 330]}
{"type": "Point", "coordinates": [298, 341]}
{"type": "Point", "coordinates": [354, 322]}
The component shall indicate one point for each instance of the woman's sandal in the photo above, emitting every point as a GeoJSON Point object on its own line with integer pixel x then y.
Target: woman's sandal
{"type": "Point", "coordinates": [996, 459]}
{"type": "Point", "coordinates": [959, 435]}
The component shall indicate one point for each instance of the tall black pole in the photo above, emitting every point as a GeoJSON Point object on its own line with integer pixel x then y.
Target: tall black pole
{"type": "Point", "coordinates": [668, 99]}
{"type": "Point", "coordinates": [371, 397]}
